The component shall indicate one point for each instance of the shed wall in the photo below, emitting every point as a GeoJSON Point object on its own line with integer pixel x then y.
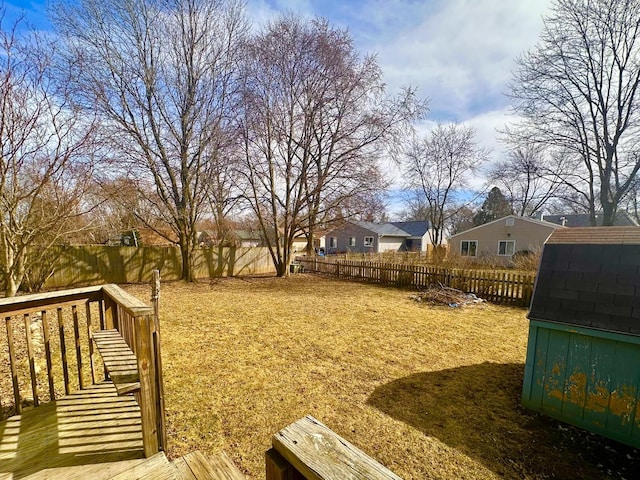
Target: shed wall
{"type": "Point", "coordinates": [585, 377]}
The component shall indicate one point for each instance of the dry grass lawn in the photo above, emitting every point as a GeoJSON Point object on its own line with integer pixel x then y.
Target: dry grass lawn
{"type": "Point", "coordinates": [430, 392]}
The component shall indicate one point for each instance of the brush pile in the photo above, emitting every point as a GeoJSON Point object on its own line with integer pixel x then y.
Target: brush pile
{"type": "Point", "coordinates": [441, 295]}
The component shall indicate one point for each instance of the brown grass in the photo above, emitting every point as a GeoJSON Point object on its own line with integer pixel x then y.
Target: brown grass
{"type": "Point", "coordinates": [431, 392]}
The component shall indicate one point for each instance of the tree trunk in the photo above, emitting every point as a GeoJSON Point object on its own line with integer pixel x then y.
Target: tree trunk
{"type": "Point", "coordinates": [310, 247]}
{"type": "Point", "coordinates": [13, 271]}
{"type": "Point", "coordinates": [186, 252]}
{"type": "Point", "coordinates": [281, 269]}
{"type": "Point", "coordinates": [608, 213]}
{"type": "Point", "coordinates": [10, 285]}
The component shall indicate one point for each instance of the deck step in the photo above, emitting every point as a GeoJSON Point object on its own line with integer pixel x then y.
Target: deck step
{"type": "Point", "coordinates": [197, 466]}
{"type": "Point", "coordinates": [153, 468]}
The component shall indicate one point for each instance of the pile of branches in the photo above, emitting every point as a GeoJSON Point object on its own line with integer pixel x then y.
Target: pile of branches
{"type": "Point", "coordinates": [441, 295]}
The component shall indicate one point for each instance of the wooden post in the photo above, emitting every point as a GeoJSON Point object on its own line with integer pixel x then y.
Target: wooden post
{"type": "Point", "coordinates": [277, 467]}
{"type": "Point", "coordinates": [110, 314]}
{"type": "Point", "coordinates": [155, 303]}
{"type": "Point", "coordinates": [147, 398]}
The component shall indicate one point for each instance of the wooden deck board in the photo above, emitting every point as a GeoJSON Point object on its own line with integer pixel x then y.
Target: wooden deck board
{"type": "Point", "coordinates": [197, 466]}
{"type": "Point", "coordinates": [318, 453]}
{"type": "Point", "coordinates": [93, 434]}
{"type": "Point", "coordinates": [119, 360]}
{"type": "Point", "coordinates": [154, 468]}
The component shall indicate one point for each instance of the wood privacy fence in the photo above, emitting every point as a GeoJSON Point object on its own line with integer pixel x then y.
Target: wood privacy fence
{"type": "Point", "coordinates": [74, 266]}
{"type": "Point", "coordinates": [510, 288]}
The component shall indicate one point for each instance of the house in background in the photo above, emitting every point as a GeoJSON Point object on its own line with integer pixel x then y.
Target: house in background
{"type": "Point", "coordinates": [300, 242]}
{"type": "Point", "coordinates": [502, 238]}
{"type": "Point", "coordinates": [370, 237]}
{"type": "Point", "coordinates": [622, 219]}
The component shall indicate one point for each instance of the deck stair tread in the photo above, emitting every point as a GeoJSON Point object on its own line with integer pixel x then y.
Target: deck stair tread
{"type": "Point", "coordinates": [119, 360]}
{"type": "Point", "coordinates": [198, 466]}
{"type": "Point", "coordinates": [153, 468]}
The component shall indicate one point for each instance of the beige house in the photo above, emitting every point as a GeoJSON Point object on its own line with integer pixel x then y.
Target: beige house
{"type": "Point", "coordinates": [502, 238]}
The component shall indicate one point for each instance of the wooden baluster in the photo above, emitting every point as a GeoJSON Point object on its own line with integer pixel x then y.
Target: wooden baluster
{"type": "Point", "coordinates": [63, 353]}
{"type": "Point", "coordinates": [47, 354]}
{"type": "Point", "coordinates": [32, 361]}
{"type": "Point", "coordinates": [92, 359]}
{"type": "Point", "coordinates": [12, 364]}
{"type": "Point", "coordinates": [102, 327]}
{"type": "Point", "coordinates": [76, 337]}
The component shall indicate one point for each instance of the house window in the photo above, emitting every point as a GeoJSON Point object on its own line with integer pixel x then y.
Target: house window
{"type": "Point", "coordinates": [352, 241]}
{"type": "Point", "coordinates": [468, 248]}
{"type": "Point", "coordinates": [333, 242]}
{"type": "Point", "coordinates": [506, 247]}
{"type": "Point", "coordinates": [368, 241]}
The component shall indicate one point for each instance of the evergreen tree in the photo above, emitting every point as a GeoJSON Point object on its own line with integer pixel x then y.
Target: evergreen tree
{"type": "Point", "coordinates": [495, 206]}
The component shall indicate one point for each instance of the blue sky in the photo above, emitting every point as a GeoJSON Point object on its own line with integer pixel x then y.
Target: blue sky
{"type": "Point", "coordinates": [459, 53]}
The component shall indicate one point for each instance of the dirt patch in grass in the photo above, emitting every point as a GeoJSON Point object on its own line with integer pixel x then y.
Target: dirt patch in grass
{"type": "Point", "coordinates": [430, 392]}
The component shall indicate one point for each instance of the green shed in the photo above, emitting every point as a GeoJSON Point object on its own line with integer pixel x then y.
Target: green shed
{"type": "Point", "coordinates": [583, 354]}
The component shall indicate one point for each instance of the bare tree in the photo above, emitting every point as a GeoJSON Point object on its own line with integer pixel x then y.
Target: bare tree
{"type": "Point", "coordinates": [113, 202]}
{"type": "Point", "coordinates": [316, 122]}
{"type": "Point", "coordinates": [438, 168]}
{"type": "Point", "coordinates": [529, 177]}
{"type": "Point", "coordinates": [163, 75]}
{"type": "Point", "coordinates": [45, 147]}
{"type": "Point", "coordinates": [577, 91]}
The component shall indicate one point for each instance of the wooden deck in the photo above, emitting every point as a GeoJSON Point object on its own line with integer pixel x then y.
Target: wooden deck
{"type": "Point", "coordinates": [93, 434]}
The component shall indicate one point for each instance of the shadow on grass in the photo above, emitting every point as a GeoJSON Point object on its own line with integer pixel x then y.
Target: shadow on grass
{"type": "Point", "coordinates": [476, 409]}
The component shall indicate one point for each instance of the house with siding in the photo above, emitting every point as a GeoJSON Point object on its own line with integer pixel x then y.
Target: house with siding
{"type": "Point", "coordinates": [502, 238]}
{"type": "Point", "coordinates": [370, 237]}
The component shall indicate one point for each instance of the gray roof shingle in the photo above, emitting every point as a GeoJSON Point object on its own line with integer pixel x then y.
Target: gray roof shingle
{"type": "Point", "coordinates": [383, 229]}
{"type": "Point", "coordinates": [622, 219]}
{"type": "Point", "coordinates": [414, 228]}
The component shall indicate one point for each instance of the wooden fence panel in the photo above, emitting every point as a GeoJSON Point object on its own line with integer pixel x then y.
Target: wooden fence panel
{"type": "Point", "coordinates": [74, 266]}
{"type": "Point", "coordinates": [509, 288]}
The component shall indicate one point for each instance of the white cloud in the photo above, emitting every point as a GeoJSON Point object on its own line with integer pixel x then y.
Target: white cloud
{"type": "Point", "coordinates": [460, 52]}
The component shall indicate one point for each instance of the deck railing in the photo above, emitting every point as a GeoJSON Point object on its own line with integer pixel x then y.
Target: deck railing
{"type": "Point", "coordinates": [50, 352]}
{"type": "Point", "coordinates": [503, 287]}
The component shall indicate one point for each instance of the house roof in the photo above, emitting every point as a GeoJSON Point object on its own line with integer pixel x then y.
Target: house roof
{"type": "Point", "coordinates": [588, 277]}
{"type": "Point", "coordinates": [248, 235]}
{"type": "Point", "coordinates": [621, 219]}
{"type": "Point", "coordinates": [415, 228]}
{"type": "Point", "coordinates": [525, 219]}
{"type": "Point", "coordinates": [386, 229]}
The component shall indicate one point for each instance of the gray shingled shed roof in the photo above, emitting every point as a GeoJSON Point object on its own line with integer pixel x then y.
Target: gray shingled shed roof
{"type": "Point", "coordinates": [588, 277]}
